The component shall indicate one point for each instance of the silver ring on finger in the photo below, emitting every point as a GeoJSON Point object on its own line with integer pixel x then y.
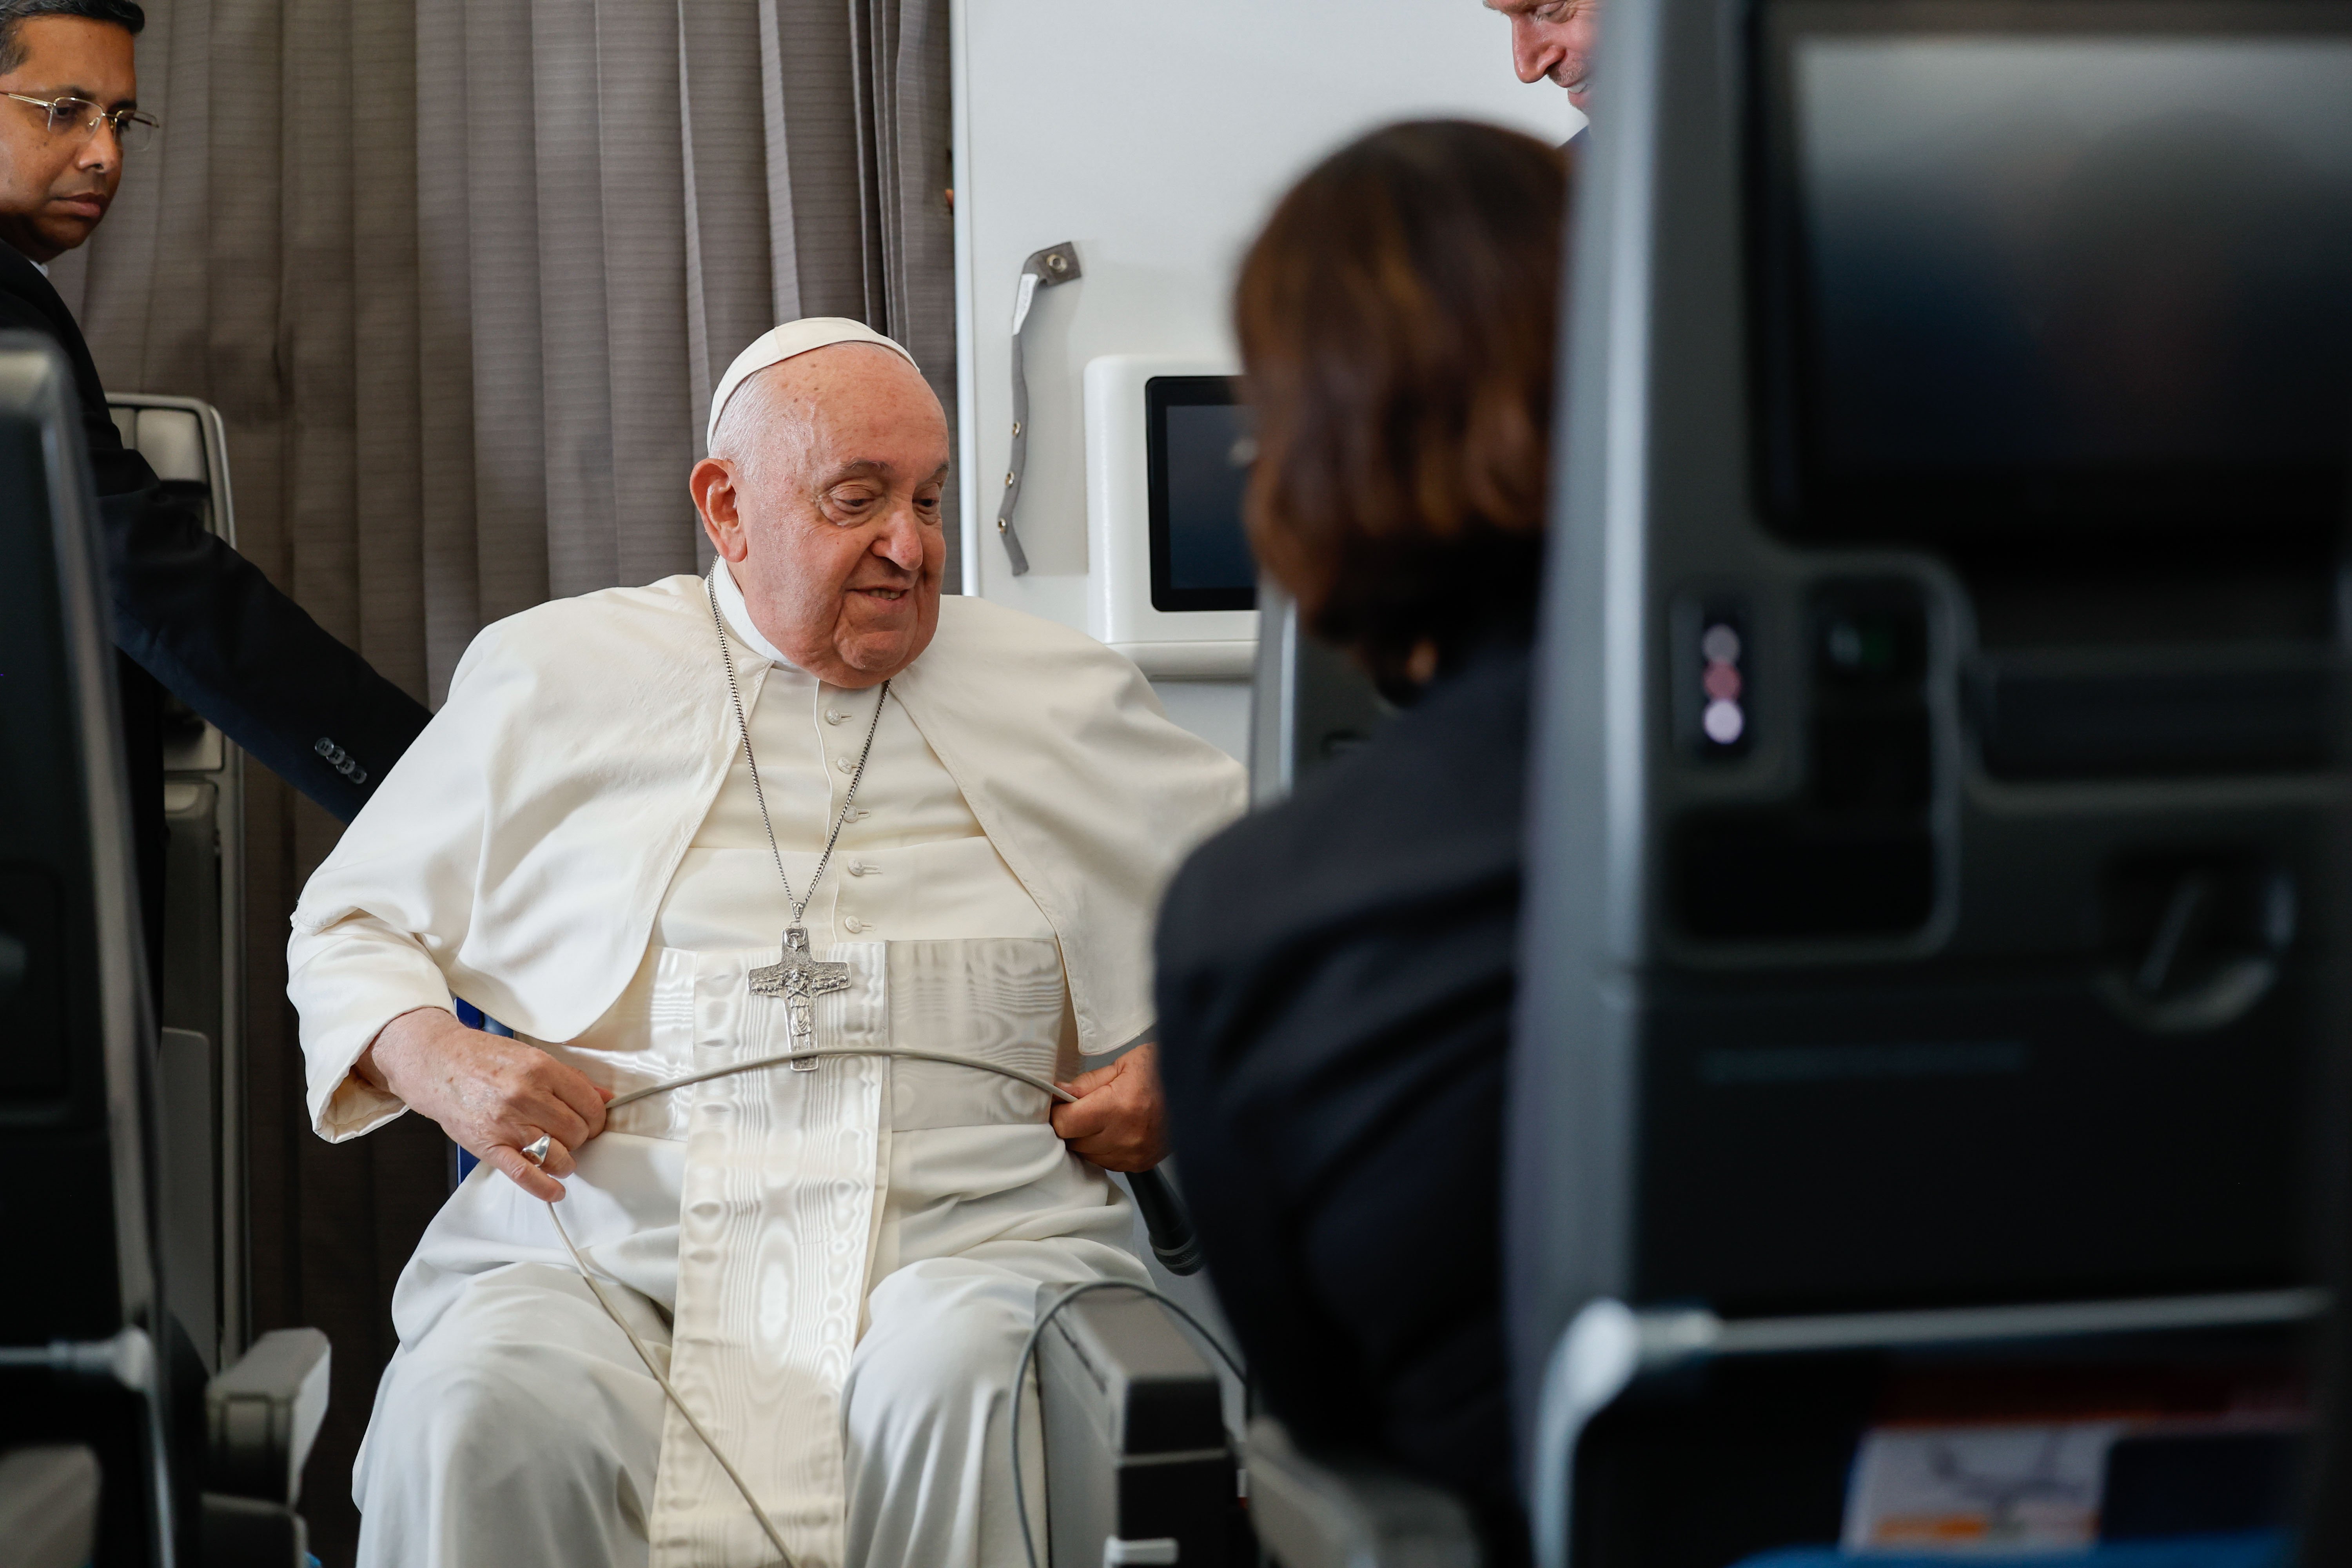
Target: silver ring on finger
{"type": "Point", "coordinates": [536, 1150]}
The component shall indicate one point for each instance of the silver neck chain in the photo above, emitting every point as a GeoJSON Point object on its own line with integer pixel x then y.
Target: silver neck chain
{"type": "Point", "coordinates": [743, 725]}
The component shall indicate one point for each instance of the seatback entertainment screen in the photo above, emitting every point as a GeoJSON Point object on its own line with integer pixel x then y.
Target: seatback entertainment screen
{"type": "Point", "coordinates": [2028, 269]}
{"type": "Point", "coordinates": [1197, 446]}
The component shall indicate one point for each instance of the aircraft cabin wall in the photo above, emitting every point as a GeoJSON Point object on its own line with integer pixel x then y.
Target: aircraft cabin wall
{"type": "Point", "coordinates": [1154, 140]}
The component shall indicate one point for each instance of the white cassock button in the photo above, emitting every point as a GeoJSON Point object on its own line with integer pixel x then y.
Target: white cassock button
{"type": "Point", "coordinates": [834, 715]}
{"type": "Point", "coordinates": [851, 922]}
{"type": "Point", "coordinates": [846, 764]}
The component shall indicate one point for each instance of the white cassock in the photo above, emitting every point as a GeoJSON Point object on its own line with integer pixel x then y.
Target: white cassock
{"type": "Point", "coordinates": [841, 1265]}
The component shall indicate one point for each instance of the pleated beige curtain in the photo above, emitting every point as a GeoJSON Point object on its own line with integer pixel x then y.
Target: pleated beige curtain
{"type": "Point", "coordinates": [460, 275]}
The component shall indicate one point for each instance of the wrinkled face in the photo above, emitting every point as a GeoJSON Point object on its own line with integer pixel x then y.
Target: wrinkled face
{"type": "Point", "coordinates": [825, 504]}
{"type": "Point", "coordinates": [55, 188]}
{"type": "Point", "coordinates": [1554, 39]}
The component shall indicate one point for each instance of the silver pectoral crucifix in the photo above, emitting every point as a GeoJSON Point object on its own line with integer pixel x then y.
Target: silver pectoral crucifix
{"type": "Point", "coordinates": [800, 979]}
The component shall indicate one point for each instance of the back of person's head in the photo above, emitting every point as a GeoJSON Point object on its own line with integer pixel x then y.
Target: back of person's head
{"type": "Point", "coordinates": [1397, 320]}
{"type": "Point", "coordinates": [123, 14]}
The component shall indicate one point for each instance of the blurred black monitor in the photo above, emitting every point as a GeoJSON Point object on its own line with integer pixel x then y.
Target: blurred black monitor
{"type": "Point", "coordinates": [1937, 912]}
{"type": "Point", "coordinates": [68, 999]}
{"type": "Point", "coordinates": [77, 1108]}
{"type": "Point", "coordinates": [1198, 445]}
{"type": "Point", "coordinates": [2064, 263]}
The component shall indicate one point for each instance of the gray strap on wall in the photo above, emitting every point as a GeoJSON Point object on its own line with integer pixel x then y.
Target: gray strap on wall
{"type": "Point", "coordinates": [1054, 264]}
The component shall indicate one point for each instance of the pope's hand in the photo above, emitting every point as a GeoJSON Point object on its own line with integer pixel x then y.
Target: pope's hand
{"type": "Point", "coordinates": [1118, 1121]}
{"type": "Point", "coordinates": [491, 1094]}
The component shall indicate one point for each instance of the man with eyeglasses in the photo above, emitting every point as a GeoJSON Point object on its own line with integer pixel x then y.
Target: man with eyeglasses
{"type": "Point", "coordinates": [189, 612]}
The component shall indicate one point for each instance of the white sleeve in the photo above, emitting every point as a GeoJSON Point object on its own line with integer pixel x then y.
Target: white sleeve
{"type": "Point", "coordinates": [348, 981]}
{"type": "Point", "coordinates": [389, 908]}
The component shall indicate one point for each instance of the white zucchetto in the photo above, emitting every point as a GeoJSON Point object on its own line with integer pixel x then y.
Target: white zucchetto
{"type": "Point", "coordinates": [780, 343]}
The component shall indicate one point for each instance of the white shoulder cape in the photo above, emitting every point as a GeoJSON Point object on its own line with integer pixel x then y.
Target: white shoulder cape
{"type": "Point", "coordinates": [518, 854]}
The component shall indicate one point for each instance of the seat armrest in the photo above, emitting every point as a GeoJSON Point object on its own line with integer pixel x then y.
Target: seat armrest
{"type": "Point", "coordinates": [262, 1415]}
{"type": "Point", "coordinates": [1350, 1513]}
{"type": "Point", "coordinates": [1138, 1466]}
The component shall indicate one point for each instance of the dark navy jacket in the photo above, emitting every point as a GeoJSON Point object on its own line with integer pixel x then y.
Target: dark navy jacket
{"type": "Point", "coordinates": [1335, 981]}
{"type": "Point", "coordinates": [196, 616]}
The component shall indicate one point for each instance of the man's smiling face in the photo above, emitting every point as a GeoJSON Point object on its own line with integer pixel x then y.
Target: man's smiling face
{"type": "Point", "coordinates": [1554, 39]}
{"type": "Point", "coordinates": [56, 186]}
{"type": "Point", "coordinates": [827, 509]}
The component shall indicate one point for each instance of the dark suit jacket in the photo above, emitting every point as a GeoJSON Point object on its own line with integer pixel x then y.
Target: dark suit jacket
{"type": "Point", "coordinates": [192, 613]}
{"type": "Point", "coordinates": [1335, 983]}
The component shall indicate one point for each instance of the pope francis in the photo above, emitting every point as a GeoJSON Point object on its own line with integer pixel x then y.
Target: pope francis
{"type": "Point", "coordinates": [809, 805]}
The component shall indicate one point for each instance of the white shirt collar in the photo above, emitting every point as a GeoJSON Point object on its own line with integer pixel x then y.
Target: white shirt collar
{"type": "Point", "coordinates": [739, 615]}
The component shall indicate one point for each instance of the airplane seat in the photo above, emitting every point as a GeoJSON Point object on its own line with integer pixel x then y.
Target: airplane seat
{"type": "Point", "coordinates": [1141, 1469]}
{"type": "Point", "coordinates": [201, 1053]}
{"type": "Point", "coordinates": [108, 1446]}
{"type": "Point", "coordinates": [1139, 1465]}
{"type": "Point", "coordinates": [1929, 1074]}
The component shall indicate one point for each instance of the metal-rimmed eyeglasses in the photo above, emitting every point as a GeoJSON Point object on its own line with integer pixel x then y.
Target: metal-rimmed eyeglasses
{"type": "Point", "coordinates": [134, 130]}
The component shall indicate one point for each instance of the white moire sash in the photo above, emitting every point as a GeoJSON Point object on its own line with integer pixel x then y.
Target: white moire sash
{"type": "Point", "coordinates": [784, 1181]}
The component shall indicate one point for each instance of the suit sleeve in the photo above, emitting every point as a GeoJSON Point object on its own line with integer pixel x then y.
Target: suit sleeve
{"type": "Point", "coordinates": [202, 620]}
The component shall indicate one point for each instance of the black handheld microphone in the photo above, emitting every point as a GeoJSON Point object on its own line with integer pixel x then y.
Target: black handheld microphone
{"type": "Point", "coordinates": [1173, 1241]}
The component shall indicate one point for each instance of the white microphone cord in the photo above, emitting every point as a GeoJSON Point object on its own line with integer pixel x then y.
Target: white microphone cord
{"type": "Point", "coordinates": [580, 1260]}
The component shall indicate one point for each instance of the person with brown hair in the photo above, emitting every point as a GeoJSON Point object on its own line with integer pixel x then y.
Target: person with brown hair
{"type": "Point", "coordinates": [1335, 975]}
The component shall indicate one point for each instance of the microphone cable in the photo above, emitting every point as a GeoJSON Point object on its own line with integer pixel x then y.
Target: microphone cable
{"type": "Point", "coordinates": [1164, 1209]}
